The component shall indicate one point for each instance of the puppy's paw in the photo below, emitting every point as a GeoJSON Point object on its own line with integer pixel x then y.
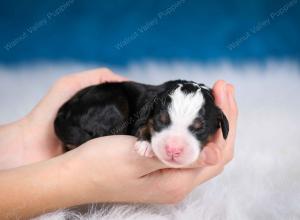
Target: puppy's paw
{"type": "Point", "coordinates": [143, 148]}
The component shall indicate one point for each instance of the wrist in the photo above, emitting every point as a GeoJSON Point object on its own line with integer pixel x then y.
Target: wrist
{"type": "Point", "coordinates": [94, 177]}
{"type": "Point", "coordinates": [11, 145]}
{"type": "Point", "coordinates": [87, 185]}
{"type": "Point", "coordinates": [49, 185]}
{"type": "Point", "coordinates": [75, 185]}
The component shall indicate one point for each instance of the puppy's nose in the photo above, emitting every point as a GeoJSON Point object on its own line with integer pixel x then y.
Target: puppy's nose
{"type": "Point", "coordinates": [174, 151]}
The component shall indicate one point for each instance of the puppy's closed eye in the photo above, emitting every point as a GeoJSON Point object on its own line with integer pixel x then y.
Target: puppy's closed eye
{"type": "Point", "coordinates": [164, 118]}
{"type": "Point", "coordinates": [197, 125]}
{"type": "Point", "coordinates": [161, 120]}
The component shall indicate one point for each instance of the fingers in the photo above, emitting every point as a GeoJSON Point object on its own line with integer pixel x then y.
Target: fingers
{"type": "Point", "coordinates": [96, 76]}
{"type": "Point", "coordinates": [224, 95]}
{"type": "Point", "coordinates": [224, 98]}
{"type": "Point", "coordinates": [122, 150]}
{"type": "Point", "coordinates": [221, 100]}
{"type": "Point", "coordinates": [145, 165]}
{"type": "Point", "coordinates": [206, 173]}
{"type": "Point", "coordinates": [209, 156]}
{"type": "Point", "coordinates": [220, 94]}
{"type": "Point", "coordinates": [87, 78]}
{"type": "Point", "coordinates": [233, 108]}
{"type": "Point", "coordinates": [77, 81]}
{"type": "Point", "coordinates": [229, 149]}
{"type": "Point", "coordinates": [68, 85]}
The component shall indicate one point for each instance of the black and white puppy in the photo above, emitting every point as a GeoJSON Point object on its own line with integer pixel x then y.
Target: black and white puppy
{"type": "Point", "coordinates": [172, 121]}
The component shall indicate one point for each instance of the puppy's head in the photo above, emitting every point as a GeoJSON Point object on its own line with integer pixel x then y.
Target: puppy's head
{"type": "Point", "coordinates": [184, 118]}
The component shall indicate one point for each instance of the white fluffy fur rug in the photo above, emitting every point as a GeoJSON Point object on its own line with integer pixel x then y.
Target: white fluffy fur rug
{"type": "Point", "coordinates": [263, 180]}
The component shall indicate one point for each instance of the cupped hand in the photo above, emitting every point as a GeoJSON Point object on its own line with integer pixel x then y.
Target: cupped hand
{"type": "Point", "coordinates": [111, 171]}
{"type": "Point", "coordinates": [39, 141]}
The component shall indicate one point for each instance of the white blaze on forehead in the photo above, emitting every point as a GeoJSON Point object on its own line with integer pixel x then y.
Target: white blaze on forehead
{"type": "Point", "coordinates": [184, 107]}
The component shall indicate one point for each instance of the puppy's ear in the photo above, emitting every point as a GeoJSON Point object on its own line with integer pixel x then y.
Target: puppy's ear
{"type": "Point", "coordinates": [223, 123]}
{"type": "Point", "coordinates": [221, 117]}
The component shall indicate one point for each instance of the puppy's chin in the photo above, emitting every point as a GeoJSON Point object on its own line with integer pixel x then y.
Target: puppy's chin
{"type": "Point", "coordinates": [179, 162]}
{"type": "Point", "coordinates": [189, 154]}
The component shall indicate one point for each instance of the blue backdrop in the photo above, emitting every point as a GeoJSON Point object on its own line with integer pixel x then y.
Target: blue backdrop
{"type": "Point", "coordinates": [118, 32]}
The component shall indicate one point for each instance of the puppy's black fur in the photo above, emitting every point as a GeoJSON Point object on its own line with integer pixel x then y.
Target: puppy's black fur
{"type": "Point", "coordinates": [133, 109]}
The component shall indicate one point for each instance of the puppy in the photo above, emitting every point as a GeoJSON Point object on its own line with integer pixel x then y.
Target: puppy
{"type": "Point", "coordinates": [172, 121]}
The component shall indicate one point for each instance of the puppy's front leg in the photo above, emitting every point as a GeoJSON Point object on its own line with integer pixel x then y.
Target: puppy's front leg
{"type": "Point", "coordinates": [143, 145]}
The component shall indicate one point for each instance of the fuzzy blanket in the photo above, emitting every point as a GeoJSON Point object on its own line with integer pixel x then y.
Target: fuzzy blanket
{"type": "Point", "coordinates": [263, 180]}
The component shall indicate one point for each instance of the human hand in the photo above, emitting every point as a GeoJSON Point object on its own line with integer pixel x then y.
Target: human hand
{"type": "Point", "coordinates": [35, 132]}
{"type": "Point", "coordinates": [95, 172]}
{"type": "Point", "coordinates": [117, 174]}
